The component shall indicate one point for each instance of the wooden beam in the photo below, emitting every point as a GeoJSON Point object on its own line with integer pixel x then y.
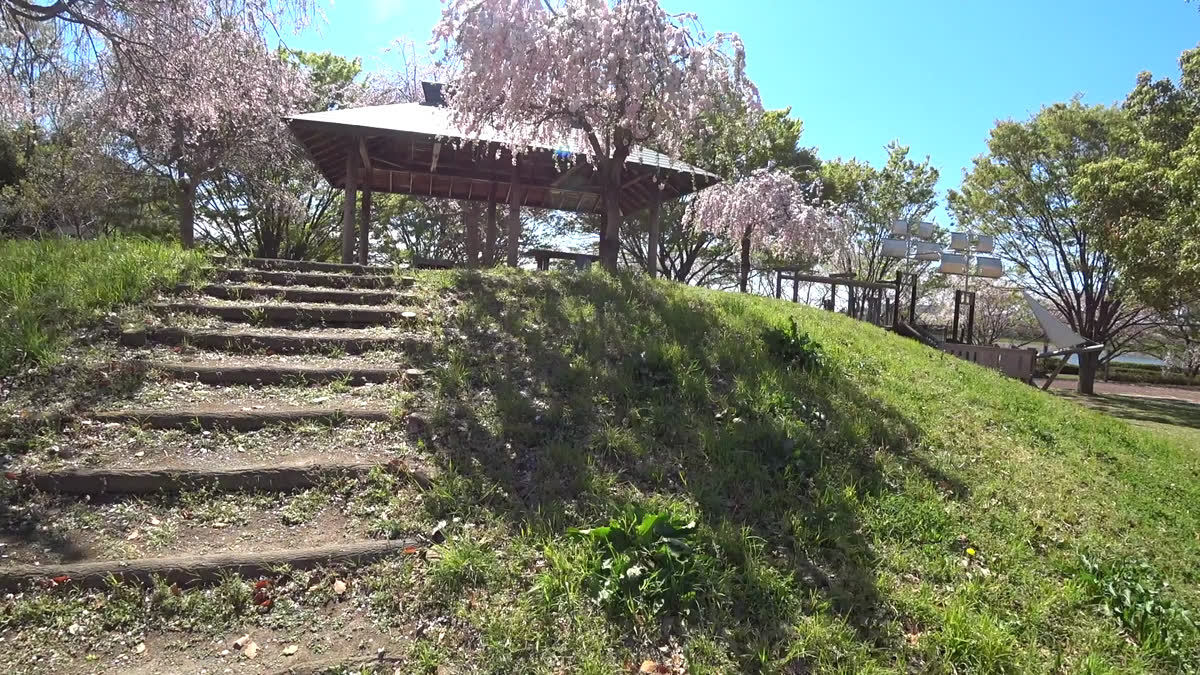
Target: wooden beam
{"type": "Point", "coordinates": [493, 232]}
{"type": "Point", "coordinates": [351, 193]}
{"type": "Point", "coordinates": [516, 195]}
{"type": "Point", "coordinates": [364, 227]}
{"type": "Point", "coordinates": [470, 213]}
{"type": "Point", "coordinates": [652, 244]}
{"type": "Point", "coordinates": [362, 150]}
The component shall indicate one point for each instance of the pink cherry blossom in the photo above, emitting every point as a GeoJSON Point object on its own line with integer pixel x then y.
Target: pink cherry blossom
{"type": "Point", "coordinates": [619, 73]}
{"type": "Point", "coordinates": [767, 211]}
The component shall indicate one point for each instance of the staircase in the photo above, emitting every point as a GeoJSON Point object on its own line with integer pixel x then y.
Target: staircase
{"type": "Point", "coordinates": [268, 433]}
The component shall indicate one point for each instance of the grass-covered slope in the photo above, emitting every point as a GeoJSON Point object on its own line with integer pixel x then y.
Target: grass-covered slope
{"type": "Point", "coordinates": [631, 470]}
{"type": "Point", "coordinates": [48, 287]}
{"type": "Point", "coordinates": [888, 507]}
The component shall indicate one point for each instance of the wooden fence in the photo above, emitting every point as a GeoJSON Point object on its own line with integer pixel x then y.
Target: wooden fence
{"type": "Point", "coordinates": [1012, 362]}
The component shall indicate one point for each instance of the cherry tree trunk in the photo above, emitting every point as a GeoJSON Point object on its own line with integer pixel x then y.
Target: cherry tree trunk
{"type": "Point", "coordinates": [744, 266]}
{"type": "Point", "coordinates": [187, 213]}
{"type": "Point", "coordinates": [1088, 364]}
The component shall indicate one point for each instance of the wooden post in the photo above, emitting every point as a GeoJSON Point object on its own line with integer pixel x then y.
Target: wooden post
{"type": "Point", "coordinates": [957, 308]}
{"type": "Point", "coordinates": [896, 302]}
{"type": "Point", "coordinates": [470, 215]}
{"type": "Point", "coordinates": [351, 194]}
{"type": "Point", "coordinates": [515, 197]}
{"type": "Point", "coordinates": [969, 298]}
{"type": "Point", "coordinates": [795, 289]}
{"type": "Point", "coordinates": [778, 283]}
{"type": "Point", "coordinates": [364, 231]}
{"type": "Point", "coordinates": [493, 231]}
{"type": "Point", "coordinates": [652, 245]}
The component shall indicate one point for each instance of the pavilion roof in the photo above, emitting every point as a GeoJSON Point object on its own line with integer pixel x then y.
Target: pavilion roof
{"type": "Point", "coordinates": [412, 148]}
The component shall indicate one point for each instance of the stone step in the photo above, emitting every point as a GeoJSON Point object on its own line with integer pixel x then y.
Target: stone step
{"type": "Point", "coordinates": [280, 264]}
{"type": "Point", "coordinates": [195, 569]}
{"type": "Point", "coordinates": [317, 279]}
{"type": "Point", "coordinates": [267, 374]}
{"type": "Point", "coordinates": [271, 478]}
{"type": "Point", "coordinates": [307, 295]}
{"type": "Point", "coordinates": [281, 314]}
{"type": "Point", "coordinates": [276, 343]}
{"type": "Point", "coordinates": [239, 419]}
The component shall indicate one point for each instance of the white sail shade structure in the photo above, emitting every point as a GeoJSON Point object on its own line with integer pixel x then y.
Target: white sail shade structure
{"type": "Point", "coordinates": [919, 229]}
{"type": "Point", "coordinates": [960, 241]}
{"type": "Point", "coordinates": [984, 243]}
{"type": "Point", "coordinates": [990, 268]}
{"type": "Point", "coordinates": [1057, 332]}
{"type": "Point", "coordinates": [895, 248]}
{"type": "Point", "coordinates": [953, 263]}
{"type": "Point", "coordinates": [927, 250]}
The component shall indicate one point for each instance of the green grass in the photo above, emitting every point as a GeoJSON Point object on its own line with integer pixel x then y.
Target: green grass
{"type": "Point", "coordinates": [889, 509]}
{"type": "Point", "coordinates": [829, 498]}
{"type": "Point", "coordinates": [1172, 418]}
{"type": "Point", "coordinates": [48, 287]}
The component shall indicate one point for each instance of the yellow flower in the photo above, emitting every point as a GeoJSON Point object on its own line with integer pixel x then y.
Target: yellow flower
{"type": "Point", "coordinates": [970, 551]}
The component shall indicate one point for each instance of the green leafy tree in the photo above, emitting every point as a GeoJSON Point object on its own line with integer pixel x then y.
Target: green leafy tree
{"type": "Point", "coordinates": [1145, 196]}
{"type": "Point", "coordinates": [244, 209]}
{"type": "Point", "coordinates": [871, 199]}
{"type": "Point", "coordinates": [1023, 191]}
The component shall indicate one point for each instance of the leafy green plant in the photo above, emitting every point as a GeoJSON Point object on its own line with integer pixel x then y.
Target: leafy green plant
{"type": "Point", "coordinates": [646, 564]}
{"type": "Point", "coordinates": [1134, 595]}
{"type": "Point", "coordinates": [794, 348]}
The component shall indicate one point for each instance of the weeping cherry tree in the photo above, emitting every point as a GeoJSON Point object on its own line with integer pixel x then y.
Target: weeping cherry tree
{"type": "Point", "coordinates": [622, 73]}
{"type": "Point", "coordinates": [768, 211]}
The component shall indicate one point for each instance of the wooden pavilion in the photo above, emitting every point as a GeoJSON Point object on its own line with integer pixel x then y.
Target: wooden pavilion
{"type": "Point", "coordinates": [416, 149]}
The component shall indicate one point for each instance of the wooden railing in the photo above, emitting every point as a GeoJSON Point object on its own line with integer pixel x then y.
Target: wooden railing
{"type": "Point", "coordinates": [1012, 362]}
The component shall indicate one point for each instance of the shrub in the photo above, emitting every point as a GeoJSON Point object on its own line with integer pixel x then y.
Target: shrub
{"type": "Point", "coordinates": [1134, 595]}
{"type": "Point", "coordinates": [794, 348]}
{"type": "Point", "coordinates": [645, 565]}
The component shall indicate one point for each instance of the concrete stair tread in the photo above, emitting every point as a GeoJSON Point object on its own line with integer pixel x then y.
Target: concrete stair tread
{"type": "Point", "coordinates": [301, 294]}
{"type": "Point", "coordinates": [244, 371]}
{"type": "Point", "coordinates": [311, 279]}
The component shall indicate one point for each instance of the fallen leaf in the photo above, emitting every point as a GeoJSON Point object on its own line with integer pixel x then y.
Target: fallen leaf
{"type": "Point", "coordinates": [241, 642]}
{"type": "Point", "coordinates": [133, 535]}
{"type": "Point", "coordinates": [155, 521]}
{"type": "Point", "coordinates": [262, 583]}
{"type": "Point", "coordinates": [11, 475]}
{"type": "Point", "coordinates": [648, 666]}
{"type": "Point", "coordinates": [290, 650]}
{"type": "Point", "coordinates": [339, 587]}
{"type": "Point", "coordinates": [410, 549]}
{"type": "Point", "coordinates": [251, 650]}
{"type": "Point", "coordinates": [140, 648]}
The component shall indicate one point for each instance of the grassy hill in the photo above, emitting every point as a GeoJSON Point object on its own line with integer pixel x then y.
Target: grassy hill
{"type": "Point", "coordinates": [632, 470]}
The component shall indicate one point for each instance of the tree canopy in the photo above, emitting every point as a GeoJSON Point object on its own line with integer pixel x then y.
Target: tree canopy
{"type": "Point", "coordinates": [1023, 191]}
{"type": "Point", "coordinates": [1145, 194]}
{"type": "Point", "coordinates": [619, 73]}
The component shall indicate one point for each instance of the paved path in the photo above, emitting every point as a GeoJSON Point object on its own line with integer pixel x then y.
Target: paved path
{"type": "Point", "coordinates": [1189, 394]}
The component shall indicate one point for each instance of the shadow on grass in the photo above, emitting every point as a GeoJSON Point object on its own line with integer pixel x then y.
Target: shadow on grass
{"type": "Point", "coordinates": [1162, 411]}
{"type": "Point", "coordinates": [568, 397]}
{"type": "Point", "coordinates": [87, 387]}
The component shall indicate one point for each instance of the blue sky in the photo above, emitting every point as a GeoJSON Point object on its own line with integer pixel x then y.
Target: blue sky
{"type": "Point", "coordinates": [933, 75]}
